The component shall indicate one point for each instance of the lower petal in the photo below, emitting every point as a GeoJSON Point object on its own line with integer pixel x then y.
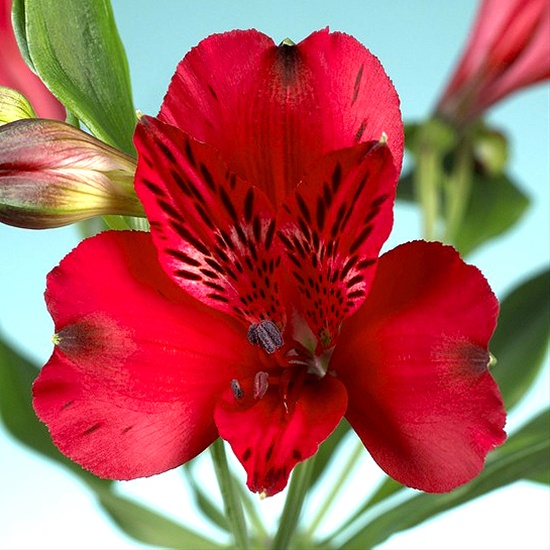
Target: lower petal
{"type": "Point", "coordinates": [414, 361]}
{"type": "Point", "coordinates": [269, 439]}
{"type": "Point", "coordinates": [131, 386]}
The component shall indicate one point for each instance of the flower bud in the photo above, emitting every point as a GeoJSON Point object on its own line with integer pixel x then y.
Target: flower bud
{"type": "Point", "coordinates": [53, 174]}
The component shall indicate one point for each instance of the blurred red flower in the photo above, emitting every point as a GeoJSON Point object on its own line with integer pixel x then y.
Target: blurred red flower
{"type": "Point", "coordinates": [508, 49]}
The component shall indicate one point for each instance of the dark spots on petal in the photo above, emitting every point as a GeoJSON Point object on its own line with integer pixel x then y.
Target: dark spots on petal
{"type": "Point", "coordinates": [207, 177]}
{"type": "Point", "coordinates": [269, 235]}
{"type": "Point", "coordinates": [232, 181]}
{"type": "Point", "coordinates": [189, 275]}
{"type": "Point", "coordinates": [304, 228]}
{"type": "Point", "coordinates": [321, 211]}
{"type": "Point", "coordinates": [183, 257]}
{"type": "Point", "coordinates": [336, 179]}
{"type": "Point", "coordinates": [257, 228]}
{"type": "Point", "coordinates": [228, 205]}
{"type": "Point", "coordinates": [166, 152]}
{"type": "Point", "coordinates": [303, 208]}
{"type": "Point", "coordinates": [66, 405]}
{"type": "Point", "coordinates": [127, 429]}
{"type": "Point", "coordinates": [327, 195]}
{"type": "Point", "coordinates": [285, 240]}
{"type": "Point", "coordinates": [363, 264]}
{"type": "Point", "coordinates": [205, 217]}
{"type": "Point", "coordinates": [355, 280]}
{"type": "Point", "coordinates": [348, 266]}
{"type": "Point", "coordinates": [168, 208]}
{"type": "Point", "coordinates": [361, 238]}
{"type": "Point", "coordinates": [296, 454]}
{"type": "Point", "coordinates": [249, 204]}
{"type": "Point", "coordinates": [247, 454]}
{"type": "Point", "coordinates": [356, 294]}
{"type": "Point", "coordinates": [360, 131]}
{"type": "Point", "coordinates": [212, 92]}
{"type": "Point", "coordinates": [92, 429]}
{"type": "Point", "coordinates": [218, 297]}
{"type": "Point", "coordinates": [357, 85]}
{"type": "Point", "coordinates": [360, 187]}
{"type": "Point", "coordinates": [214, 265]}
{"type": "Point", "coordinates": [189, 154]}
{"type": "Point", "coordinates": [186, 235]}
{"type": "Point", "coordinates": [214, 286]}
{"type": "Point", "coordinates": [269, 453]}
{"type": "Point", "coordinates": [379, 201]}
{"type": "Point", "coordinates": [153, 187]}
{"type": "Point", "coordinates": [209, 273]}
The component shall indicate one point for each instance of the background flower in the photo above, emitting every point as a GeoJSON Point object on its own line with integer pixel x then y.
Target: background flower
{"type": "Point", "coordinates": [15, 74]}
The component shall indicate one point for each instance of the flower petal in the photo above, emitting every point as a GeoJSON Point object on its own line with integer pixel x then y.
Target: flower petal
{"type": "Point", "coordinates": [213, 231]}
{"type": "Point", "coordinates": [270, 440]}
{"type": "Point", "coordinates": [273, 110]}
{"type": "Point", "coordinates": [332, 228]}
{"type": "Point", "coordinates": [131, 386]}
{"type": "Point", "coordinates": [14, 106]}
{"type": "Point", "coordinates": [53, 174]}
{"type": "Point", "coordinates": [414, 361]}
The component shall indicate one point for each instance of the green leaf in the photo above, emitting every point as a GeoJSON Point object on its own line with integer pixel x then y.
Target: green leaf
{"type": "Point", "coordinates": [521, 338]}
{"type": "Point", "coordinates": [76, 50]}
{"type": "Point", "coordinates": [327, 449]}
{"type": "Point", "coordinates": [496, 204]}
{"type": "Point", "coordinates": [525, 454]}
{"type": "Point", "coordinates": [147, 526]}
{"type": "Point", "coordinates": [17, 375]}
{"type": "Point", "coordinates": [203, 502]}
{"type": "Point", "coordinates": [18, 24]}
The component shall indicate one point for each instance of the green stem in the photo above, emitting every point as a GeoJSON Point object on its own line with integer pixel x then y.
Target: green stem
{"type": "Point", "coordinates": [458, 191]}
{"type": "Point", "coordinates": [232, 503]}
{"type": "Point", "coordinates": [337, 487]}
{"type": "Point", "coordinates": [299, 485]}
{"type": "Point", "coordinates": [426, 186]}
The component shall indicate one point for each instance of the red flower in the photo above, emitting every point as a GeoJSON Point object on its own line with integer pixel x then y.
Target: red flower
{"type": "Point", "coordinates": [15, 74]}
{"type": "Point", "coordinates": [508, 49]}
{"type": "Point", "coordinates": [258, 310]}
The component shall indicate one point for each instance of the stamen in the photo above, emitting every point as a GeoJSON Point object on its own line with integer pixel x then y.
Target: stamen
{"type": "Point", "coordinates": [260, 384]}
{"type": "Point", "coordinates": [236, 389]}
{"type": "Point", "coordinates": [267, 335]}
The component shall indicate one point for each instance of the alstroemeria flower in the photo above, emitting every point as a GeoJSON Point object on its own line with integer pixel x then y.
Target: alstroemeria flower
{"type": "Point", "coordinates": [258, 309]}
{"type": "Point", "coordinates": [15, 74]}
{"type": "Point", "coordinates": [53, 174]}
{"type": "Point", "coordinates": [508, 49]}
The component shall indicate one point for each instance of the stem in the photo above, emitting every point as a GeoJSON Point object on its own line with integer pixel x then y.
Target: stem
{"type": "Point", "coordinates": [458, 191]}
{"type": "Point", "coordinates": [299, 485]}
{"type": "Point", "coordinates": [337, 487]}
{"type": "Point", "coordinates": [426, 183]}
{"type": "Point", "coordinates": [231, 500]}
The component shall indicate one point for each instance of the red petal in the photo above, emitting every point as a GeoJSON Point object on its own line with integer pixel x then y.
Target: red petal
{"type": "Point", "coordinates": [214, 233]}
{"type": "Point", "coordinates": [414, 361]}
{"type": "Point", "coordinates": [333, 227]}
{"type": "Point", "coordinates": [271, 111]}
{"type": "Point", "coordinates": [269, 440]}
{"type": "Point", "coordinates": [131, 386]}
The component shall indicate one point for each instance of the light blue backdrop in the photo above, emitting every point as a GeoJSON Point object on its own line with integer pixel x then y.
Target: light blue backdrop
{"type": "Point", "coordinates": [417, 41]}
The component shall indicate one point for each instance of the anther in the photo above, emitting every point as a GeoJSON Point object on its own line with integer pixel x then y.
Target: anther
{"type": "Point", "coordinates": [260, 384]}
{"type": "Point", "coordinates": [265, 334]}
{"type": "Point", "coordinates": [236, 389]}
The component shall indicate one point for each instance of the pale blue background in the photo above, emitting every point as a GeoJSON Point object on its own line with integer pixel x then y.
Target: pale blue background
{"type": "Point", "coordinates": [41, 506]}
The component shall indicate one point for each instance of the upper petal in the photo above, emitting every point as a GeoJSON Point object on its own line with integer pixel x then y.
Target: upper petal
{"type": "Point", "coordinates": [414, 361]}
{"type": "Point", "coordinates": [131, 386]}
{"type": "Point", "coordinates": [272, 110]}
{"type": "Point", "coordinates": [332, 228]}
{"type": "Point", "coordinates": [214, 233]}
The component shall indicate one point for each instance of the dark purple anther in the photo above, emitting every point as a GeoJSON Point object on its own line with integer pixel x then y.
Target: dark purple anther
{"type": "Point", "coordinates": [236, 389]}
{"type": "Point", "coordinates": [267, 335]}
